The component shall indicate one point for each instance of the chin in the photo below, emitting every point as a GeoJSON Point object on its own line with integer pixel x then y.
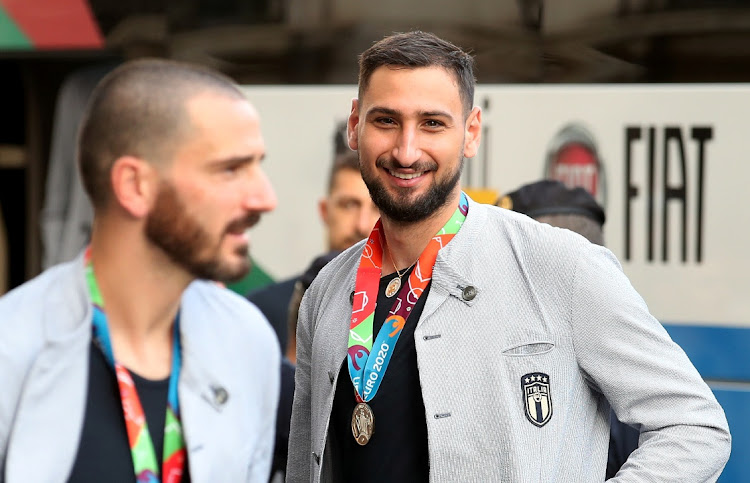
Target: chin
{"type": "Point", "coordinates": [233, 272]}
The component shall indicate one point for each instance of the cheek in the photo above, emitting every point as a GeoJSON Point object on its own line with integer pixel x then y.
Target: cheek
{"type": "Point", "coordinates": [376, 143]}
{"type": "Point", "coordinates": [211, 210]}
{"type": "Point", "coordinates": [446, 147]}
{"type": "Point", "coordinates": [340, 219]}
{"type": "Point", "coordinates": [345, 221]}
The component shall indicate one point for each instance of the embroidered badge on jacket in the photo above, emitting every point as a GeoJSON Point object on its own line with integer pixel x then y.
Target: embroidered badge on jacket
{"type": "Point", "coordinates": [536, 398]}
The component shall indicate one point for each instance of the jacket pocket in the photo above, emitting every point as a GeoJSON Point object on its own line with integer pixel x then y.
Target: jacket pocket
{"type": "Point", "coordinates": [529, 349]}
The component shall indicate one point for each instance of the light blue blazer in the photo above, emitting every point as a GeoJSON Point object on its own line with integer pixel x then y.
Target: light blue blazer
{"type": "Point", "coordinates": [228, 388]}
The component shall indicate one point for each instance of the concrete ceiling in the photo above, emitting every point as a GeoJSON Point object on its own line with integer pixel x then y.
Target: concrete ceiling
{"type": "Point", "coordinates": [300, 41]}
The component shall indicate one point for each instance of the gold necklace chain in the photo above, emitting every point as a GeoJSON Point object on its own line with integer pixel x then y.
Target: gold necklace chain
{"type": "Point", "coordinates": [394, 264]}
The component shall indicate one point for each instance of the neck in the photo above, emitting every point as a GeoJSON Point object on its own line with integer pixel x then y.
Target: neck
{"type": "Point", "coordinates": [141, 290]}
{"type": "Point", "coordinates": [405, 242]}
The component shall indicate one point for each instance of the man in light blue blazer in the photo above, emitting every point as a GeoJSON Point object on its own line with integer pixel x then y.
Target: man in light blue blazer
{"type": "Point", "coordinates": [122, 364]}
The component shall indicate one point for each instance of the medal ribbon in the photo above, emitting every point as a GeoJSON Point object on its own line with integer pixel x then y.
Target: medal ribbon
{"type": "Point", "coordinates": [366, 368]}
{"type": "Point", "coordinates": [139, 437]}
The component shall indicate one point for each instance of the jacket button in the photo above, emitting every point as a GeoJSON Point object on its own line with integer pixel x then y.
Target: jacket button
{"type": "Point", "coordinates": [331, 376]}
{"type": "Point", "coordinates": [469, 293]}
{"type": "Point", "coordinates": [351, 298]}
{"type": "Point", "coordinates": [220, 395]}
{"type": "Point", "coordinates": [317, 458]}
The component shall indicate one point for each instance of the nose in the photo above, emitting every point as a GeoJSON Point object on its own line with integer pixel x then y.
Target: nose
{"type": "Point", "coordinates": [260, 196]}
{"type": "Point", "coordinates": [407, 151]}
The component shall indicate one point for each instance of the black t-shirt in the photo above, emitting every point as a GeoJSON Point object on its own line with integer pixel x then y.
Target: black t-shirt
{"type": "Point", "coordinates": [104, 450]}
{"type": "Point", "coordinates": [398, 449]}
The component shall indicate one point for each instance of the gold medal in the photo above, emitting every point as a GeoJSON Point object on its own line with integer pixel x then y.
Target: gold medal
{"type": "Point", "coordinates": [393, 286]}
{"type": "Point", "coordinates": [363, 423]}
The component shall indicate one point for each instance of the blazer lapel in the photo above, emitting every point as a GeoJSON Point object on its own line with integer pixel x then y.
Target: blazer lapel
{"type": "Point", "coordinates": [338, 338]}
{"type": "Point", "coordinates": [204, 395]}
{"type": "Point", "coordinates": [47, 428]}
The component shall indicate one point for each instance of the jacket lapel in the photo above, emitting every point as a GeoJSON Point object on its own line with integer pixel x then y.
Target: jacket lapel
{"type": "Point", "coordinates": [203, 396]}
{"type": "Point", "coordinates": [453, 265]}
{"type": "Point", "coordinates": [47, 427]}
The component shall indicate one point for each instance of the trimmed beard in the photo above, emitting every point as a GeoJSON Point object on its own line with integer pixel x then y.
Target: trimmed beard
{"type": "Point", "coordinates": [171, 227]}
{"type": "Point", "coordinates": [398, 208]}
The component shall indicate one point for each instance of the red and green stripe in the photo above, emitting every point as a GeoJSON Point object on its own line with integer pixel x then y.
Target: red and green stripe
{"type": "Point", "coordinates": [48, 25]}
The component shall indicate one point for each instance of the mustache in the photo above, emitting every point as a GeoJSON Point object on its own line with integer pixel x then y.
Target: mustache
{"type": "Point", "coordinates": [244, 223]}
{"type": "Point", "coordinates": [390, 163]}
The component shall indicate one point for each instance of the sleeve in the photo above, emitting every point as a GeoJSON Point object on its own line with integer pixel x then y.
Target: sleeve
{"type": "Point", "coordinates": [627, 355]}
{"type": "Point", "coordinates": [17, 352]}
{"type": "Point", "coordinates": [260, 465]}
{"type": "Point", "coordinates": [299, 458]}
{"type": "Point", "coordinates": [12, 377]}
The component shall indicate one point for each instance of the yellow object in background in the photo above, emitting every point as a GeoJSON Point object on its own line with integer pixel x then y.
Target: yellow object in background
{"type": "Point", "coordinates": [482, 195]}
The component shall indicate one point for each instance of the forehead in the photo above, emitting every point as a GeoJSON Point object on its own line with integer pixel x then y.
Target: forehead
{"type": "Point", "coordinates": [411, 89]}
{"type": "Point", "coordinates": [226, 125]}
{"type": "Point", "coordinates": [349, 182]}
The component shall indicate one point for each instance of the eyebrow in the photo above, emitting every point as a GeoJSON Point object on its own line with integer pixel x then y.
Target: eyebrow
{"type": "Point", "coordinates": [347, 197]}
{"type": "Point", "coordinates": [238, 160]}
{"type": "Point", "coordinates": [394, 112]}
{"type": "Point", "coordinates": [383, 110]}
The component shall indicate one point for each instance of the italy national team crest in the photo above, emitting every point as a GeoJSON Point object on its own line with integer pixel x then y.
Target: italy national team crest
{"type": "Point", "coordinates": [536, 398]}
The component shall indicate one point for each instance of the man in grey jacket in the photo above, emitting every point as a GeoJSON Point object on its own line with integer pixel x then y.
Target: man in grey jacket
{"type": "Point", "coordinates": [504, 341]}
{"type": "Point", "coordinates": [120, 365]}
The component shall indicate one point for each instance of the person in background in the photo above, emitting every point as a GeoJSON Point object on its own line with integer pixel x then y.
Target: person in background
{"type": "Point", "coordinates": [130, 362]}
{"type": "Point", "coordinates": [284, 416]}
{"type": "Point", "coordinates": [300, 287]}
{"type": "Point", "coordinates": [464, 342]}
{"type": "Point", "coordinates": [348, 214]}
{"type": "Point", "coordinates": [551, 202]}
{"type": "Point", "coordinates": [67, 213]}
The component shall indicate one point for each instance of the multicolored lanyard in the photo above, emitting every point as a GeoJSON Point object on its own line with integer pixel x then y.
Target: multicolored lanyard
{"type": "Point", "coordinates": [367, 368]}
{"type": "Point", "coordinates": [141, 445]}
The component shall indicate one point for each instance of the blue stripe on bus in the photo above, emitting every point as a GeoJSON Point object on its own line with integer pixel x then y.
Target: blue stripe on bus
{"type": "Point", "coordinates": [719, 353]}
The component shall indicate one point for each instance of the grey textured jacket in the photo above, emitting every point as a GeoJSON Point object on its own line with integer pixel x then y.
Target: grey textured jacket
{"type": "Point", "coordinates": [228, 388]}
{"type": "Point", "coordinates": [546, 301]}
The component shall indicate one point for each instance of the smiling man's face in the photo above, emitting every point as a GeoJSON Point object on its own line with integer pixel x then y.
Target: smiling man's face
{"type": "Point", "coordinates": [411, 134]}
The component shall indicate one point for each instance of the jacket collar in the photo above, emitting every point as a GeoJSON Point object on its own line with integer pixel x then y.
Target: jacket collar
{"type": "Point", "coordinates": [454, 268]}
{"type": "Point", "coordinates": [74, 312]}
{"type": "Point", "coordinates": [453, 272]}
{"type": "Point", "coordinates": [205, 384]}
{"type": "Point", "coordinates": [60, 373]}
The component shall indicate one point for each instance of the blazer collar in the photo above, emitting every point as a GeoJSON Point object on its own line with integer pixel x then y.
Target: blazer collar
{"type": "Point", "coordinates": [205, 384]}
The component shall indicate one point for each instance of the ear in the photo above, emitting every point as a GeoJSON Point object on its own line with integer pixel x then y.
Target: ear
{"type": "Point", "coordinates": [473, 134]}
{"type": "Point", "coordinates": [134, 185]}
{"type": "Point", "coordinates": [352, 125]}
{"type": "Point", "coordinates": [323, 210]}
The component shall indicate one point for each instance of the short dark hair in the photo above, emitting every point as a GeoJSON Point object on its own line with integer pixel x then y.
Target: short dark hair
{"type": "Point", "coordinates": [139, 109]}
{"type": "Point", "coordinates": [420, 49]}
{"type": "Point", "coordinates": [346, 160]}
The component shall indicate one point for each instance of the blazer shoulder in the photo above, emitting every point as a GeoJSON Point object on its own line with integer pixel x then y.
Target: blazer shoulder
{"type": "Point", "coordinates": [54, 290]}
{"type": "Point", "coordinates": [228, 311]}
